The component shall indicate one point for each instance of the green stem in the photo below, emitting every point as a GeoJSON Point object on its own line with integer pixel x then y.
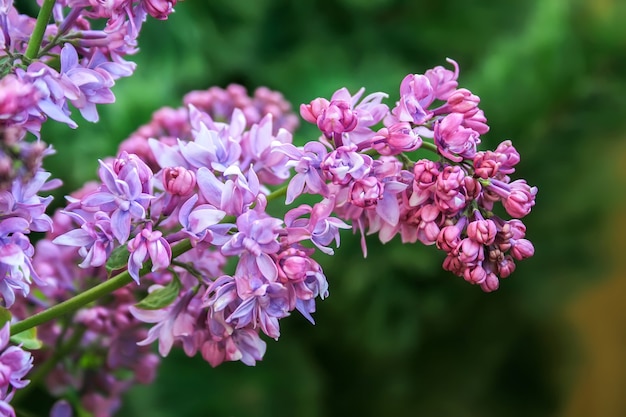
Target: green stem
{"type": "Point", "coordinates": [90, 295]}
{"type": "Point", "coordinates": [282, 191]}
{"type": "Point", "coordinates": [429, 146]}
{"type": "Point", "coordinates": [40, 29]}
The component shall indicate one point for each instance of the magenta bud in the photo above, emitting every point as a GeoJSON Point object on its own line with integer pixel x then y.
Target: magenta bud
{"type": "Point", "coordinates": [366, 192]}
{"type": "Point", "coordinates": [522, 249]}
{"type": "Point", "coordinates": [337, 118]}
{"type": "Point", "coordinates": [506, 267]}
{"type": "Point", "coordinates": [179, 181]}
{"type": "Point", "coordinates": [310, 112]}
{"type": "Point", "coordinates": [482, 231]}
{"type": "Point", "coordinates": [475, 274]}
{"type": "Point", "coordinates": [159, 9]}
{"type": "Point", "coordinates": [491, 283]}
{"type": "Point", "coordinates": [462, 101]}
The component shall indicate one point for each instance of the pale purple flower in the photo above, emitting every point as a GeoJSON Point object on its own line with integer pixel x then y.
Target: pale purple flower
{"type": "Point", "coordinates": [54, 91]}
{"type": "Point", "coordinates": [308, 177]}
{"type": "Point", "coordinates": [202, 222]}
{"type": "Point", "coordinates": [15, 363]}
{"type": "Point", "coordinates": [211, 148]}
{"type": "Point", "coordinates": [233, 195]}
{"type": "Point", "coordinates": [344, 165]}
{"type": "Point", "coordinates": [255, 241]}
{"type": "Point", "coordinates": [17, 99]}
{"type": "Point", "coordinates": [94, 86]}
{"type": "Point", "coordinates": [24, 200]}
{"type": "Point", "coordinates": [122, 196]}
{"type": "Point", "coordinates": [263, 304]}
{"type": "Point", "coordinates": [172, 322]}
{"type": "Point", "coordinates": [443, 81]}
{"type": "Point", "coordinates": [318, 286]}
{"type": "Point", "coordinates": [320, 228]}
{"type": "Point", "coordinates": [243, 345]}
{"type": "Point", "coordinates": [416, 94]}
{"type": "Point", "coordinates": [148, 244]}
{"type": "Point", "coordinates": [261, 151]}
{"type": "Point", "coordinates": [16, 252]}
{"type": "Point", "coordinates": [95, 239]}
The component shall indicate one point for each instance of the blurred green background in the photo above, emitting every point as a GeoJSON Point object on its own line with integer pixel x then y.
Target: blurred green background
{"type": "Point", "coordinates": [398, 336]}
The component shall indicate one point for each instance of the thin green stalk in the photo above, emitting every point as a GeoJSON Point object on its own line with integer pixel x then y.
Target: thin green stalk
{"type": "Point", "coordinates": [73, 303]}
{"type": "Point", "coordinates": [282, 191]}
{"type": "Point", "coordinates": [89, 295]}
{"type": "Point", "coordinates": [40, 29]}
{"type": "Point", "coordinates": [429, 146]}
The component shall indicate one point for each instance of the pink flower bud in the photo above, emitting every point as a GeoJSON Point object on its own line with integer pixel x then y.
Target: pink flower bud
{"type": "Point", "coordinates": [462, 101]}
{"type": "Point", "coordinates": [482, 231]}
{"type": "Point", "coordinates": [337, 118]}
{"type": "Point", "coordinates": [426, 173]}
{"type": "Point", "coordinates": [508, 156]}
{"type": "Point", "coordinates": [475, 274]}
{"type": "Point", "coordinates": [449, 182]}
{"type": "Point", "coordinates": [449, 237]}
{"type": "Point", "coordinates": [366, 192]}
{"type": "Point", "coordinates": [491, 283]}
{"type": "Point", "coordinates": [520, 200]}
{"type": "Point", "coordinates": [129, 159]}
{"type": "Point", "coordinates": [310, 112]}
{"type": "Point", "coordinates": [471, 252]}
{"type": "Point", "coordinates": [506, 267]}
{"type": "Point", "coordinates": [159, 9]}
{"type": "Point", "coordinates": [476, 121]}
{"type": "Point", "coordinates": [522, 249]}
{"type": "Point", "coordinates": [395, 139]}
{"type": "Point", "coordinates": [179, 181]}
{"type": "Point", "coordinates": [486, 164]}
{"type": "Point", "coordinates": [453, 264]}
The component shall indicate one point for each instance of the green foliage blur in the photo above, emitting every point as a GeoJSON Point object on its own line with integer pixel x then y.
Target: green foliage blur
{"type": "Point", "coordinates": [398, 336]}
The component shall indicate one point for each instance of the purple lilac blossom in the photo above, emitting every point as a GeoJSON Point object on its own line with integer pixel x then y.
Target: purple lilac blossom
{"type": "Point", "coordinates": [15, 363]}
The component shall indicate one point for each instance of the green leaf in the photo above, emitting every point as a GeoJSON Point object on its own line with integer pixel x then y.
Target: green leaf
{"type": "Point", "coordinates": [28, 339]}
{"type": "Point", "coordinates": [118, 259]}
{"type": "Point", "coordinates": [5, 316]}
{"type": "Point", "coordinates": [161, 297]}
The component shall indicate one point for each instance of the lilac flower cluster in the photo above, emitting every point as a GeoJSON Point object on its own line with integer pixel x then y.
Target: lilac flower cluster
{"type": "Point", "coordinates": [14, 365]}
{"type": "Point", "coordinates": [448, 202]}
{"type": "Point", "coordinates": [209, 186]}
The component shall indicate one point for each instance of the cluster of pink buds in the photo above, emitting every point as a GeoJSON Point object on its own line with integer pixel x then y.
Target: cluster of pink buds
{"type": "Point", "coordinates": [447, 201]}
